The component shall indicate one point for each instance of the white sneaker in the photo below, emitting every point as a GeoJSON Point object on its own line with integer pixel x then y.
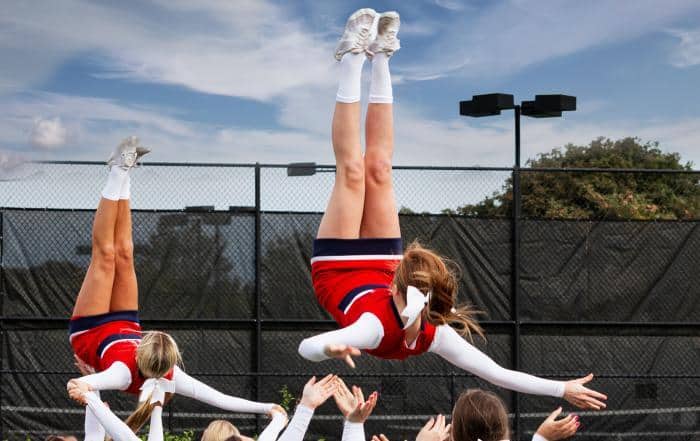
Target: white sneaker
{"type": "Point", "coordinates": [387, 29]}
{"type": "Point", "coordinates": [360, 30]}
{"type": "Point", "coordinates": [127, 153]}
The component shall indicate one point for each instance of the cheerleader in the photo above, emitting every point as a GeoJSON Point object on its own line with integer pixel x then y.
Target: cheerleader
{"type": "Point", "coordinates": [390, 303]}
{"type": "Point", "coordinates": [105, 333]}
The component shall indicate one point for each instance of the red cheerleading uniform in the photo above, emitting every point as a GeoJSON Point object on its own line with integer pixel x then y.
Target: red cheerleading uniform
{"type": "Point", "coordinates": [101, 340]}
{"type": "Point", "coordinates": [354, 276]}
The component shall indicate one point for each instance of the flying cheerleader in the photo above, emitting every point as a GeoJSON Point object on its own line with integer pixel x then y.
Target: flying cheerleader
{"type": "Point", "coordinates": [390, 302]}
{"type": "Point", "coordinates": [105, 333]}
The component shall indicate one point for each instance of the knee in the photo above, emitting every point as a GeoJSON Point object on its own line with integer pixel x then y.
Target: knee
{"type": "Point", "coordinates": [124, 252]}
{"type": "Point", "coordinates": [103, 255]}
{"type": "Point", "coordinates": [352, 174]}
{"type": "Point", "coordinates": [378, 170]}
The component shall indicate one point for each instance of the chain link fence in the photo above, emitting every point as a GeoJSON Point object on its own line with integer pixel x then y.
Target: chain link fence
{"type": "Point", "coordinates": [575, 274]}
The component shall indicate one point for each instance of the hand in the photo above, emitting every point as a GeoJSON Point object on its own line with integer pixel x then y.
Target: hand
{"type": "Point", "coordinates": [554, 430]}
{"type": "Point", "coordinates": [582, 397]}
{"type": "Point", "coordinates": [352, 404]}
{"type": "Point", "coordinates": [278, 410]}
{"type": "Point", "coordinates": [435, 430]}
{"type": "Point", "coordinates": [381, 437]}
{"type": "Point", "coordinates": [342, 352]}
{"type": "Point", "coordinates": [83, 368]}
{"type": "Point", "coordinates": [77, 390]}
{"type": "Point", "coordinates": [317, 392]}
{"type": "Point", "coordinates": [363, 409]}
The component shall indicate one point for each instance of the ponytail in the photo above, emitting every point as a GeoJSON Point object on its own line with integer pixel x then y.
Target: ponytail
{"type": "Point", "coordinates": [143, 412]}
{"type": "Point", "coordinates": [431, 273]}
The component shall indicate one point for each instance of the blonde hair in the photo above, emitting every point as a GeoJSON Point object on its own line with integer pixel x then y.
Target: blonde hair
{"type": "Point", "coordinates": [219, 430]}
{"type": "Point", "coordinates": [156, 355]}
{"type": "Point", "coordinates": [429, 272]}
{"type": "Point", "coordinates": [479, 414]}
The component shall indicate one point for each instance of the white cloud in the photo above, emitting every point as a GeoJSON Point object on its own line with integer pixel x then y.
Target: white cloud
{"type": "Point", "coordinates": [250, 49]}
{"type": "Point", "coordinates": [48, 133]}
{"type": "Point", "coordinates": [511, 35]}
{"type": "Point", "coordinates": [688, 51]}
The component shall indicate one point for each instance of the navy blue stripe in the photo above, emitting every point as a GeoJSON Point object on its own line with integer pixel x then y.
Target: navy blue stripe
{"type": "Point", "coordinates": [115, 337]}
{"type": "Point", "coordinates": [93, 321]}
{"type": "Point", "coordinates": [355, 247]}
{"type": "Point", "coordinates": [397, 315]}
{"type": "Point", "coordinates": [349, 297]}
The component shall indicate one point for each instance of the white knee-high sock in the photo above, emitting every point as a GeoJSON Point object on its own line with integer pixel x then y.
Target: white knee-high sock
{"type": "Point", "coordinates": [349, 84]}
{"type": "Point", "coordinates": [115, 181]}
{"type": "Point", "coordinates": [380, 90]}
{"type": "Point", "coordinates": [126, 188]}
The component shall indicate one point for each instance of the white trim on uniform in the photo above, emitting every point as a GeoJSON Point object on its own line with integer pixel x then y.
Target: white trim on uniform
{"type": "Point", "coordinates": [360, 294]}
{"type": "Point", "coordinates": [357, 257]}
{"type": "Point", "coordinates": [75, 334]}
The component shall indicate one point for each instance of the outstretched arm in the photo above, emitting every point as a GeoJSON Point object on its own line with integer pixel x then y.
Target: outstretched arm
{"type": "Point", "coordinates": [453, 348]}
{"type": "Point", "coordinates": [93, 429]}
{"type": "Point", "coordinates": [190, 387]}
{"type": "Point", "coordinates": [366, 333]}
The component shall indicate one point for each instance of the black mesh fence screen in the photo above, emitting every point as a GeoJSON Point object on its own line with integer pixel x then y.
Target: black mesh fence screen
{"type": "Point", "coordinates": [620, 298]}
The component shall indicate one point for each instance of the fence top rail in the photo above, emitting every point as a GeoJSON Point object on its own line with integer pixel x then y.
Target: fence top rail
{"type": "Point", "coordinates": [329, 167]}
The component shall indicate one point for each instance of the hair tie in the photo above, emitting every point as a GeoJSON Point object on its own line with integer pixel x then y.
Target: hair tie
{"type": "Point", "coordinates": [156, 388]}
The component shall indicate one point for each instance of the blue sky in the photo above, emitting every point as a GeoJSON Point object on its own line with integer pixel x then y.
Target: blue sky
{"type": "Point", "coordinates": [246, 81]}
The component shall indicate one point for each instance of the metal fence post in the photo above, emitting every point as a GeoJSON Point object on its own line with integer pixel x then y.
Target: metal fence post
{"type": "Point", "coordinates": [258, 296]}
{"type": "Point", "coordinates": [515, 270]}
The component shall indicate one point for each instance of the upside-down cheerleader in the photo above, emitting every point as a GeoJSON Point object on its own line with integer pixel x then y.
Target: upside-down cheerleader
{"type": "Point", "coordinates": [389, 302]}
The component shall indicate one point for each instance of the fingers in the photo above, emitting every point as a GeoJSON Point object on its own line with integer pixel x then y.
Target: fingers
{"type": "Point", "coordinates": [359, 396]}
{"type": "Point", "coordinates": [311, 381]}
{"type": "Point", "coordinates": [446, 433]}
{"type": "Point", "coordinates": [383, 437]}
{"type": "Point", "coordinates": [349, 361]}
{"type": "Point", "coordinates": [553, 416]}
{"type": "Point", "coordinates": [584, 380]}
{"type": "Point", "coordinates": [325, 380]}
{"type": "Point", "coordinates": [595, 394]}
{"type": "Point", "coordinates": [429, 425]}
{"type": "Point", "coordinates": [439, 423]}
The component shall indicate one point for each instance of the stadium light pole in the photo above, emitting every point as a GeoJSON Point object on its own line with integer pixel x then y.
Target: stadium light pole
{"type": "Point", "coordinates": [543, 106]}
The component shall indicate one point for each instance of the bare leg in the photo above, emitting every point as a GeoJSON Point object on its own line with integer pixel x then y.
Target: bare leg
{"type": "Point", "coordinates": [344, 211]}
{"type": "Point", "coordinates": [380, 217]}
{"type": "Point", "coordinates": [96, 292]}
{"type": "Point", "coordinates": [125, 295]}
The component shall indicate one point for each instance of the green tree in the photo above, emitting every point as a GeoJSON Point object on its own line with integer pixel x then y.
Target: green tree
{"type": "Point", "coordinates": [600, 195]}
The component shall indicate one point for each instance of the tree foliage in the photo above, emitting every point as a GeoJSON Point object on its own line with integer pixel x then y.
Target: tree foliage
{"type": "Point", "coordinates": [600, 195]}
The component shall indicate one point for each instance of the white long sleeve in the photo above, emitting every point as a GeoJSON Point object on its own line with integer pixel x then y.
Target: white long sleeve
{"type": "Point", "coordinates": [538, 437]}
{"type": "Point", "coordinates": [353, 431]}
{"type": "Point", "coordinates": [366, 333]}
{"type": "Point", "coordinates": [115, 427]}
{"type": "Point", "coordinates": [115, 377]}
{"type": "Point", "coordinates": [93, 429]}
{"type": "Point", "coordinates": [453, 348]}
{"type": "Point", "coordinates": [155, 431]}
{"type": "Point", "coordinates": [192, 388]}
{"type": "Point", "coordinates": [298, 425]}
{"type": "Point", "coordinates": [274, 428]}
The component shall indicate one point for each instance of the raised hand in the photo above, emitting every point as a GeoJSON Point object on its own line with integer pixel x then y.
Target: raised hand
{"type": "Point", "coordinates": [343, 352]}
{"type": "Point", "coordinates": [435, 430]}
{"type": "Point", "coordinates": [77, 390]}
{"type": "Point", "coordinates": [344, 398]}
{"type": "Point", "coordinates": [352, 404]}
{"type": "Point", "coordinates": [317, 392]}
{"type": "Point", "coordinates": [553, 430]}
{"type": "Point", "coordinates": [580, 396]}
{"type": "Point", "coordinates": [381, 437]}
{"type": "Point", "coordinates": [363, 409]}
{"type": "Point", "coordinates": [277, 409]}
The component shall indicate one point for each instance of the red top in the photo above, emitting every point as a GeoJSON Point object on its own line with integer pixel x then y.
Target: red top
{"type": "Point", "coordinates": [125, 351]}
{"type": "Point", "coordinates": [352, 277]}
